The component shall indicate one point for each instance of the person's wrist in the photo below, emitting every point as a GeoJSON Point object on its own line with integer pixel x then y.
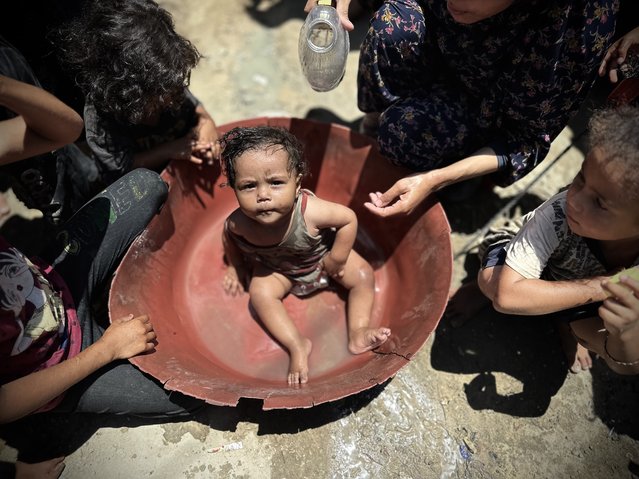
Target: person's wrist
{"type": "Point", "coordinates": [615, 347]}
{"type": "Point", "coordinates": [103, 351]}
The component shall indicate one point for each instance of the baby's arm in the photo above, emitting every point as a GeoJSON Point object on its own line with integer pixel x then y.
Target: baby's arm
{"type": "Point", "coordinates": [516, 294]}
{"type": "Point", "coordinates": [236, 270]}
{"type": "Point", "coordinates": [323, 214]}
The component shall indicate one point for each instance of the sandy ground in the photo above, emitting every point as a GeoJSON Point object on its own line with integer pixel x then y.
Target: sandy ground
{"type": "Point", "coordinates": [490, 399]}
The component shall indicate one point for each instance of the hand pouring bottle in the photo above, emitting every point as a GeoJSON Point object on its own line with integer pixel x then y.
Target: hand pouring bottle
{"type": "Point", "coordinates": [323, 47]}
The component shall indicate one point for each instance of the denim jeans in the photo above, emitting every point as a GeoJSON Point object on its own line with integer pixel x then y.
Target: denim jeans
{"type": "Point", "coordinates": [86, 251]}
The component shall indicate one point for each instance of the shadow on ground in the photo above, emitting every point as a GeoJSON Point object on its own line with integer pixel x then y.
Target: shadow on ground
{"type": "Point", "coordinates": [495, 343]}
{"type": "Point", "coordinates": [32, 435]}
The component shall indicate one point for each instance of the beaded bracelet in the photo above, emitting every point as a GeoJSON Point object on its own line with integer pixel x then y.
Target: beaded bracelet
{"type": "Point", "coordinates": [621, 363]}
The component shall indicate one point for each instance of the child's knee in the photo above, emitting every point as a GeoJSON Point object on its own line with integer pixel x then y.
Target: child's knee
{"type": "Point", "coordinates": [365, 275]}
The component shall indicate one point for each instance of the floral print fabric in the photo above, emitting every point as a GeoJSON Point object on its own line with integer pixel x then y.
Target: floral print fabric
{"type": "Point", "coordinates": [510, 82]}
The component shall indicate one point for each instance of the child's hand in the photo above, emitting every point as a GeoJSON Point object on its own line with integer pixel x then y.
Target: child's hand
{"type": "Point", "coordinates": [616, 55]}
{"type": "Point", "coordinates": [183, 149]}
{"type": "Point", "coordinates": [335, 269]}
{"type": "Point", "coordinates": [128, 336]}
{"type": "Point", "coordinates": [208, 152]}
{"type": "Point", "coordinates": [620, 311]}
{"type": "Point", "coordinates": [231, 282]}
{"type": "Point", "coordinates": [206, 145]}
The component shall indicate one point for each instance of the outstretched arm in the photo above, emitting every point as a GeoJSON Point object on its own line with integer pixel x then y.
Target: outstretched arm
{"type": "Point", "coordinates": [43, 123]}
{"type": "Point", "coordinates": [124, 338]}
{"type": "Point", "coordinates": [406, 194]}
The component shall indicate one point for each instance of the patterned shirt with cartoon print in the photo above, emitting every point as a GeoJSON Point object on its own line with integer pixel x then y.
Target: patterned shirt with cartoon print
{"type": "Point", "coordinates": [38, 323]}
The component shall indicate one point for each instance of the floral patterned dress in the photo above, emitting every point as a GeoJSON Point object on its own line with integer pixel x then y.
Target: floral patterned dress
{"type": "Point", "coordinates": [510, 82]}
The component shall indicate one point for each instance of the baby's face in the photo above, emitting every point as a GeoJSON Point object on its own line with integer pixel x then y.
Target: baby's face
{"type": "Point", "coordinates": [264, 188]}
{"type": "Point", "coordinates": [597, 205]}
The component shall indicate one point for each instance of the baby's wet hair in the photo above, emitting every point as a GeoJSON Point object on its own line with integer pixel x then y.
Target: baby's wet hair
{"type": "Point", "coordinates": [242, 139]}
{"type": "Point", "coordinates": [615, 131]}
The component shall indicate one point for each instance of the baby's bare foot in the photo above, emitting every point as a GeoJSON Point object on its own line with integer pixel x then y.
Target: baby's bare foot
{"type": "Point", "coordinates": [298, 366]}
{"type": "Point", "coordinates": [365, 339]}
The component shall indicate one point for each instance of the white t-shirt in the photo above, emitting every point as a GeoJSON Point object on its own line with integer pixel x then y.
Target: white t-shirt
{"type": "Point", "coordinates": [545, 247]}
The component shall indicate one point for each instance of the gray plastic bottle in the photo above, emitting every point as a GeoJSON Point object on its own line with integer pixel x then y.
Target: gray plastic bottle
{"type": "Point", "coordinates": [323, 47]}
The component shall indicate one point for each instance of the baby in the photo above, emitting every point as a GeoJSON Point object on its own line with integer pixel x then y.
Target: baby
{"type": "Point", "coordinates": [567, 250]}
{"type": "Point", "coordinates": [285, 239]}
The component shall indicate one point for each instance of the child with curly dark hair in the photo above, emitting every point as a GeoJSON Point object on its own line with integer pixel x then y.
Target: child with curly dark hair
{"type": "Point", "coordinates": [134, 69]}
{"type": "Point", "coordinates": [568, 250]}
{"type": "Point", "coordinates": [287, 240]}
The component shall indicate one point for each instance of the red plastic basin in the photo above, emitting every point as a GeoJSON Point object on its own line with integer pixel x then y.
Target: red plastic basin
{"type": "Point", "coordinates": [209, 344]}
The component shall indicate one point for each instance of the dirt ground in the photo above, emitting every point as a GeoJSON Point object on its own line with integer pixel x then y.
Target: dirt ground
{"type": "Point", "coordinates": [491, 399]}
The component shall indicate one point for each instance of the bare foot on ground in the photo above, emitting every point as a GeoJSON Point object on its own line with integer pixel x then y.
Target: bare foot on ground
{"type": "Point", "coordinates": [298, 366]}
{"type": "Point", "coordinates": [50, 469]}
{"type": "Point", "coordinates": [365, 339]}
{"type": "Point", "coordinates": [465, 303]}
{"type": "Point", "coordinates": [578, 357]}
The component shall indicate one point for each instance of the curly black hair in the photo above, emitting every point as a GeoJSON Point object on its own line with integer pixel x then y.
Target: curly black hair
{"type": "Point", "coordinates": [242, 139]}
{"type": "Point", "coordinates": [616, 131]}
{"type": "Point", "coordinates": [127, 58]}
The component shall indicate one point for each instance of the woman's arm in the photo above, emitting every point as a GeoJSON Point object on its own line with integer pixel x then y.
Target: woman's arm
{"type": "Point", "coordinates": [43, 124]}
{"type": "Point", "coordinates": [124, 338]}
{"type": "Point", "coordinates": [406, 194]}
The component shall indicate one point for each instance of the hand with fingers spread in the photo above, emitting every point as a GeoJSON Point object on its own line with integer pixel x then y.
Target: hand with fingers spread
{"type": "Point", "coordinates": [342, 10]}
{"type": "Point", "coordinates": [402, 198]}
{"type": "Point", "coordinates": [617, 54]}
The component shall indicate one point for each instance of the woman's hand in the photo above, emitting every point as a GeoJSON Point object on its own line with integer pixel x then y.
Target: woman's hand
{"type": "Point", "coordinates": [403, 197]}
{"type": "Point", "coordinates": [342, 10]}
{"type": "Point", "coordinates": [616, 55]}
{"type": "Point", "coordinates": [128, 336]}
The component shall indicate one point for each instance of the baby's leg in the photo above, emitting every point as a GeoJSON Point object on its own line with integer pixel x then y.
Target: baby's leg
{"type": "Point", "coordinates": [267, 289]}
{"type": "Point", "coordinates": [359, 279]}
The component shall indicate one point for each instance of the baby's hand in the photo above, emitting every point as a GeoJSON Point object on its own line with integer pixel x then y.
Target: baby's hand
{"type": "Point", "coordinates": [231, 282]}
{"type": "Point", "coordinates": [335, 269]}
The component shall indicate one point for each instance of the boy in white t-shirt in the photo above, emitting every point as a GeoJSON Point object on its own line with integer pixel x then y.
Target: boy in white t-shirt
{"type": "Point", "coordinates": [567, 249]}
